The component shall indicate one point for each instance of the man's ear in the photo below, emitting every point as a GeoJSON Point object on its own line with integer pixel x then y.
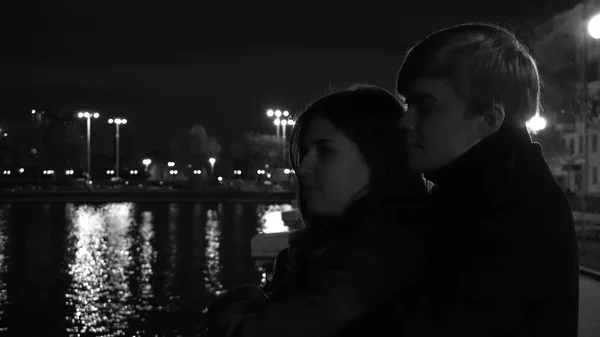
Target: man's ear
{"type": "Point", "coordinates": [490, 121]}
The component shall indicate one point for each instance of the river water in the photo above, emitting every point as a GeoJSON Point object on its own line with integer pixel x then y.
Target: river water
{"type": "Point", "coordinates": [122, 269]}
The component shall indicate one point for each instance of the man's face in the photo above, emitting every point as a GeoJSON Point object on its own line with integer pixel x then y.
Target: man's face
{"type": "Point", "coordinates": [438, 128]}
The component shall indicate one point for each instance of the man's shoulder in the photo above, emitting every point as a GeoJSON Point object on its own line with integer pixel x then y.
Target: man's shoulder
{"type": "Point", "coordinates": [533, 183]}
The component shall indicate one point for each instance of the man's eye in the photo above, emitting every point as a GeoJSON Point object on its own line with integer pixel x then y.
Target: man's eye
{"type": "Point", "coordinates": [324, 150]}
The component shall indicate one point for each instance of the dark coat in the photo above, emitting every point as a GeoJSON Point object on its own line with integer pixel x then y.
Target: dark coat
{"type": "Point", "coordinates": [335, 281]}
{"type": "Point", "coordinates": [504, 256]}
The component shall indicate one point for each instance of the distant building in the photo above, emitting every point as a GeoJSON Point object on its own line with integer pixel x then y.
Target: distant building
{"type": "Point", "coordinates": [572, 25]}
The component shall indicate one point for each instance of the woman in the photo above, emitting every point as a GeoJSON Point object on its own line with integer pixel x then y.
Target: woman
{"type": "Point", "coordinates": [361, 249]}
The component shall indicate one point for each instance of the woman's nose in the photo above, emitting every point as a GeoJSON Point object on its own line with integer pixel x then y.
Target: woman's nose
{"type": "Point", "coordinates": [306, 166]}
{"type": "Point", "coordinates": [303, 171]}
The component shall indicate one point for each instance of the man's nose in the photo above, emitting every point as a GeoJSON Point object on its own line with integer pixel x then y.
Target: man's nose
{"type": "Point", "coordinates": [409, 120]}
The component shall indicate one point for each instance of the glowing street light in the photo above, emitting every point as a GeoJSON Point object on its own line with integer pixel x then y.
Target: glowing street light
{"type": "Point", "coordinates": [537, 123]}
{"type": "Point", "coordinates": [281, 121]}
{"type": "Point", "coordinates": [594, 27]}
{"type": "Point", "coordinates": [212, 166]}
{"type": "Point", "coordinates": [117, 122]}
{"type": "Point", "coordinates": [88, 116]}
{"type": "Point", "coordinates": [277, 114]}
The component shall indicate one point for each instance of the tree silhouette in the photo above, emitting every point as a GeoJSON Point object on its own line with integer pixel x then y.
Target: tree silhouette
{"type": "Point", "coordinates": [194, 147]}
{"type": "Point", "coordinates": [63, 146]}
{"type": "Point", "coordinates": [557, 58]}
{"type": "Point", "coordinates": [256, 150]}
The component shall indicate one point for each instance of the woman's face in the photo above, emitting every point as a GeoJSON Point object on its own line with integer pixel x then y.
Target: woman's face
{"type": "Point", "coordinates": [333, 173]}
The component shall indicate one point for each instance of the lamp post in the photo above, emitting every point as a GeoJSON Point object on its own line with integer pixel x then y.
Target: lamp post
{"type": "Point", "coordinates": [146, 162]}
{"type": "Point", "coordinates": [212, 166]}
{"type": "Point", "coordinates": [284, 124]}
{"type": "Point", "coordinates": [281, 121]}
{"type": "Point", "coordinates": [117, 122]}
{"type": "Point", "coordinates": [275, 114]}
{"type": "Point", "coordinates": [88, 116]}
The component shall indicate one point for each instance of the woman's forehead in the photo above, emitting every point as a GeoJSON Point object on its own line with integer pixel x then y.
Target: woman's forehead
{"type": "Point", "coordinates": [318, 128]}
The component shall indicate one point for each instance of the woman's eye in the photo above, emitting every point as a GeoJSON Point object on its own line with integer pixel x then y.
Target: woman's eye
{"type": "Point", "coordinates": [325, 151]}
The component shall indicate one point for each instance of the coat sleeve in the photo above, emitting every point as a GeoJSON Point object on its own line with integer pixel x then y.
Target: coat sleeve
{"type": "Point", "coordinates": [355, 277]}
{"type": "Point", "coordinates": [282, 274]}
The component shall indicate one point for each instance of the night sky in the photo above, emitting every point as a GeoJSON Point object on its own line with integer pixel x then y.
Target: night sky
{"type": "Point", "coordinates": [167, 66]}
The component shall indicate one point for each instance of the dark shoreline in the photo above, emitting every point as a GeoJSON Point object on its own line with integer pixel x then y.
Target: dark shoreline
{"type": "Point", "coordinates": [45, 196]}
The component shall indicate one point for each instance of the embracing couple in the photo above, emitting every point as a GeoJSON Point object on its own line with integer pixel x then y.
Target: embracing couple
{"type": "Point", "coordinates": [426, 212]}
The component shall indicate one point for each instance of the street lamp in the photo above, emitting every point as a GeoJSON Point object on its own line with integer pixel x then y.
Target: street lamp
{"type": "Point", "coordinates": [279, 117]}
{"type": "Point", "coordinates": [146, 162]}
{"type": "Point", "coordinates": [212, 166]}
{"type": "Point", "coordinates": [117, 122]}
{"type": "Point", "coordinates": [537, 123]}
{"type": "Point", "coordinates": [284, 124]}
{"type": "Point", "coordinates": [275, 114]}
{"type": "Point", "coordinates": [281, 120]}
{"type": "Point", "coordinates": [89, 116]}
{"type": "Point", "coordinates": [594, 27]}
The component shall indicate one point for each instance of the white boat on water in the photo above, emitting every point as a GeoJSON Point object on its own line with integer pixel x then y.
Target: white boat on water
{"type": "Point", "coordinates": [266, 246]}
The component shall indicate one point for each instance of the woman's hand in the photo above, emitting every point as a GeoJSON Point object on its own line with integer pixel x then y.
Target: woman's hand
{"type": "Point", "coordinates": [228, 310]}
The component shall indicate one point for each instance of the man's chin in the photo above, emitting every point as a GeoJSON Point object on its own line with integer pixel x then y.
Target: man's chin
{"type": "Point", "coordinates": [416, 165]}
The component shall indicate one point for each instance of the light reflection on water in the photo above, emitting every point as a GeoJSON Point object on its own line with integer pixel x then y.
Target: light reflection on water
{"type": "Point", "coordinates": [213, 264]}
{"type": "Point", "coordinates": [124, 269]}
{"type": "Point", "coordinates": [99, 294]}
{"type": "Point", "coordinates": [147, 255]}
{"type": "Point", "coordinates": [3, 263]}
{"type": "Point", "coordinates": [171, 258]}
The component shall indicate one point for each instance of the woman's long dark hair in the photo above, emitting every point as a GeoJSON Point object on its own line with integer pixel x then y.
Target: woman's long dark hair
{"type": "Point", "coordinates": [369, 116]}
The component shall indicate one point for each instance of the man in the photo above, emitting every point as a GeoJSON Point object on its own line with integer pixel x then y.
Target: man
{"type": "Point", "coordinates": [503, 256]}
